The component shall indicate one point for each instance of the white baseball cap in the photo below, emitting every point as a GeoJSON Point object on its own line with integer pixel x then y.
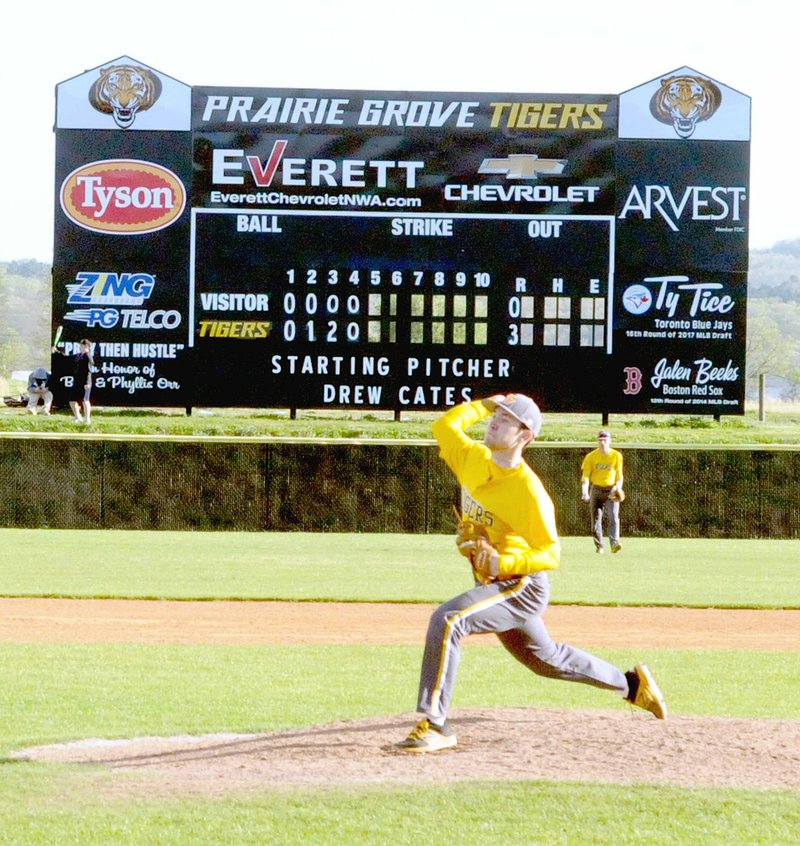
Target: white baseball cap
{"type": "Point", "coordinates": [523, 409]}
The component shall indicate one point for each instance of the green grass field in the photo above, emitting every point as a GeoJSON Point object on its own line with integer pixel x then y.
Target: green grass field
{"type": "Point", "coordinates": [54, 692]}
{"type": "Point", "coordinates": [383, 568]}
{"type": "Point", "coordinates": [781, 425]}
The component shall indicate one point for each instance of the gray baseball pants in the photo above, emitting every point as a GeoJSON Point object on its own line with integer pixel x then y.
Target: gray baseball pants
{"type": "Point", "coordinates": [513, 611]}
{"type": "Point", "coordinates": [602, 508]}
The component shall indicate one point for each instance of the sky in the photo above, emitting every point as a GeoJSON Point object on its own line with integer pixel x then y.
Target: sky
{"type": "Point", "coordinates": [570, 46]}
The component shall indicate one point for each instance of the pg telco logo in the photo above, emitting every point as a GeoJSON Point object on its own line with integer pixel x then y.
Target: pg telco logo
{"type": "Point", "coordinates": [123, 197]}
{"type": "Point", "coordinates": [96, 291]}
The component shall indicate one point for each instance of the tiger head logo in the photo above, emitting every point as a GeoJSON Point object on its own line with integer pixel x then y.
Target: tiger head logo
{"type": "Point", "coordinates": [123, 91]}
{"type": "Point", "coordinates": [682, 101]}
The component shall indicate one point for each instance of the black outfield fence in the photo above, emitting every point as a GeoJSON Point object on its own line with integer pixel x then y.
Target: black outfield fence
{"type": "Point", "coordinates": [372, 487]}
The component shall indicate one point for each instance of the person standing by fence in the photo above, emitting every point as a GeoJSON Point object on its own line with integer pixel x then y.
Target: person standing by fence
{"type": "Point", "coordinates": [82, 386]}
{"type": "Point", "coordinates": [601, 487]}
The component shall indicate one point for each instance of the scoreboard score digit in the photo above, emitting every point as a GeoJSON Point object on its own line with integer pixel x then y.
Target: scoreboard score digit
{"type": "Point", "coordinates": [299, 308]}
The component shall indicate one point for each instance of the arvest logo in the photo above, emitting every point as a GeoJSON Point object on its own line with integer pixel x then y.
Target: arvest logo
{"type": "Point", "coordinates": [123, 197]}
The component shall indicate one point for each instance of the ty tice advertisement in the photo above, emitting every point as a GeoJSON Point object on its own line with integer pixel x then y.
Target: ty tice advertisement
{"type": "Point", "coordinates": [678, 343]}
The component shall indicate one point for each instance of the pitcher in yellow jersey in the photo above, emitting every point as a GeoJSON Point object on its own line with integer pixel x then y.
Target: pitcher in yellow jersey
{"type": "Point", "coordinates": [601, 480]}
{"type": "Point", "coordinates": [501, 492]}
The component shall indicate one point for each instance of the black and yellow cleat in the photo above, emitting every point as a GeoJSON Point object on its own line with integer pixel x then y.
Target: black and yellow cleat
{"type": "Point", "coordinates": [646, 693]}
{"type": "Point", "coordinates": [426, 737]}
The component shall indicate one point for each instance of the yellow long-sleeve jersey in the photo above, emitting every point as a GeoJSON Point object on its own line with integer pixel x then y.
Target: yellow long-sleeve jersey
{"type": "Point", "coordinates": [512, 504]}
{"type": "Point", "coordinates": [602, 470]}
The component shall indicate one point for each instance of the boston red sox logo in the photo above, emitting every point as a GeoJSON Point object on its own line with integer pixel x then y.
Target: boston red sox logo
{"type": "Point", "coordinates": [633, 380]}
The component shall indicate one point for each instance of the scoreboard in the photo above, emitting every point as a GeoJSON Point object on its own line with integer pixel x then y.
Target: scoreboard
{"type": "Point", "coordinates": [428, 312]}
{"type": "Point", "coordinates": [406, 250]}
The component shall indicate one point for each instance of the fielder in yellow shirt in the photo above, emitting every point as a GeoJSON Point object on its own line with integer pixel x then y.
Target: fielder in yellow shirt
{"type": "Point", "coordinates": [518, 545]}
{"type": "Point", "coordinates": [601, 483]}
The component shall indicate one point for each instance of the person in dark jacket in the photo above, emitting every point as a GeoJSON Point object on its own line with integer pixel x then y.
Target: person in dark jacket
{"type": "Point", "coordinates": [39, 390]}
{"type": "Point", "coordinates": [82, 386]}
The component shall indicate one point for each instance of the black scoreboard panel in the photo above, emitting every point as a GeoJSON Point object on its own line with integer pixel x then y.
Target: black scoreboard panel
{"type": "Point", "coordinates": [405, 311]}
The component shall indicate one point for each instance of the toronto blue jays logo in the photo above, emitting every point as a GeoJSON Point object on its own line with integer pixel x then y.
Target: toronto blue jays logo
{"type": "Point", "coordinates": [637, 299]}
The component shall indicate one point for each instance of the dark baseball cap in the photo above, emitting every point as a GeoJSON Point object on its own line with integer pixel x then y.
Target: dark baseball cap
{"type": "Point", "coordinates": [603, 433]}
{"type": "Point", "coordinates": [523, 409]}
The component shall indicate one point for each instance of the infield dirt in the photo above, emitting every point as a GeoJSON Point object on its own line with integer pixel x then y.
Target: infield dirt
{"type": "Point", "coordinates": [153, 621]}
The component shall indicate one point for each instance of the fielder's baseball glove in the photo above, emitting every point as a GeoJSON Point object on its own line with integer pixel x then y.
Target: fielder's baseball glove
{"type": "Point", "coordinates": [473, 543]}
{"type": "Point", "coordinates": [618, 496]}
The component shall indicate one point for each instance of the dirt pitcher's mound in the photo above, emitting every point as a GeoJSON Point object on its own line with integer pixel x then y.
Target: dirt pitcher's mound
{"type": "Point", "coordinates": [510, 743]}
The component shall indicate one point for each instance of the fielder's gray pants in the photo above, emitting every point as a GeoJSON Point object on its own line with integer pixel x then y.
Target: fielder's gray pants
{"type": "Point", "coordinates": [602, 508]}
{"type": "Point", "coordinates": [35, 394]}
{"type": "Point", "coordinates": [512, 610]}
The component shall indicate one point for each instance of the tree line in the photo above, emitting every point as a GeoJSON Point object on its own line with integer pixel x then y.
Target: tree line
{"type": "Point", "coordinates": [773, 319]}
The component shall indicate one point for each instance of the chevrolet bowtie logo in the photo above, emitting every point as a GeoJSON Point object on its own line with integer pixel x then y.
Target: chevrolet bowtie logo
{"type": "Point", "coordinates": [523, 166]}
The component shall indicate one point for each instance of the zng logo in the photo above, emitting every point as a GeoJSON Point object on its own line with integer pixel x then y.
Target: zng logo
{"type": "Point", "coordinates": [110, 288]}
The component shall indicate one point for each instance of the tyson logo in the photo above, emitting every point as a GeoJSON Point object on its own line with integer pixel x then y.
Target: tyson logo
{"type": "Point", "coordinates": [123, 197]}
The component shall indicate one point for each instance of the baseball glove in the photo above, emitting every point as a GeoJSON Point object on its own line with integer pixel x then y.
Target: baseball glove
{"type": "Point", "coordinates": [473, 543]}
{"type": "Point", "coordinates": [618, 496]}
